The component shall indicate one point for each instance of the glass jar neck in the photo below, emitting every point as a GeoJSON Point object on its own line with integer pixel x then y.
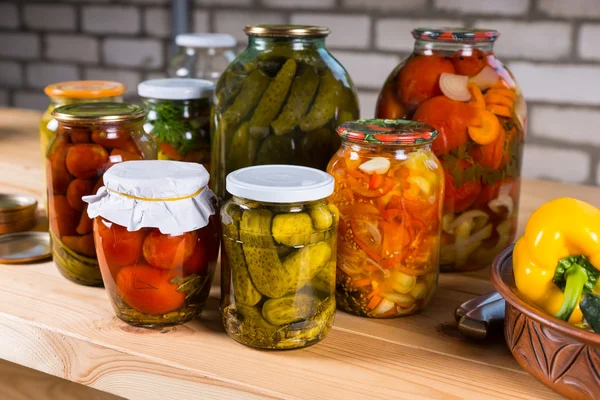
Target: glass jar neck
{"type": "Point", "coordinates": [261, 43]}
{"type": "Point", "coordinates": [428, 47]}
{"type": "Point", "coordinates": [182, 108]}
{"type": "Point", "coordinates": [57, 101]}
{"type": "Point", "coordinates": [397, 149]}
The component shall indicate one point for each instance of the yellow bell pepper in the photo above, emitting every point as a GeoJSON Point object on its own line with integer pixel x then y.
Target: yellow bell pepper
{"type": "Point", "coordinates": [547, 258]}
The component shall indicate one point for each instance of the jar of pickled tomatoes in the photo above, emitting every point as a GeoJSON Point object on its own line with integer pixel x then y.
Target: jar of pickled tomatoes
{"type": "Point", "coordinates": [389, 189]}
{"type": "Point", "coordinates": [157, 239]}
{"type": "Point", "coordinates": [454, 82]}
{"type": "Point", "coordinates": [90, 139]}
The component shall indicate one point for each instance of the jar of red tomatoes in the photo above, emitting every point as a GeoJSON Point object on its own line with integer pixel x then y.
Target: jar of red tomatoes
{"type": "Point", "coordinates": [454, 82]}
{"type": "Point", "coordinates": [157, 240]}
{"type": "Point", "coordinates": [90, 139]}
{"type": "Point", "coordinates": [389, 189]}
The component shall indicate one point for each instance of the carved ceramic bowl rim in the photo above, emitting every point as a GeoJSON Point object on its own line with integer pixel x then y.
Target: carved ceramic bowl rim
{"type": "Point", "coordinates": [501, 268]}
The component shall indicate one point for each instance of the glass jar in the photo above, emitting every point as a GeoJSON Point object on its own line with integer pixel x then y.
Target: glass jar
{"type": "Point", "coordinates": [279, 102]}
{"type": "Point", "coordinates": [90, 138]}
{"type": "Point", "coordinates": [278, 257]}
{"type": "Point", "coordinates": [202, 55]}
{"type": "Point", "coordinates": [62, 93]}
{"type": "Point", "coordinates": [157, 269]}
{"type": "Point", "coordinates": [389, 189]}
{"type": "Point", "coordinates": [179, 117]}
{"type": "Point", "coordinates": [454, 82]}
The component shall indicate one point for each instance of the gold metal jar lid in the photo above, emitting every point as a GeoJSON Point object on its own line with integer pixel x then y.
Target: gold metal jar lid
{"type": "Point", "coordinates": [86, 113]}
{"type": "Point", "coordinates": [287, 30]}
{"type": "Point", "coordinates": [17, 213]}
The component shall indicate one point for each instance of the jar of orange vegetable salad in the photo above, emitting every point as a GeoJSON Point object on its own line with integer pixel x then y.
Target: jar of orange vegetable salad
{"type": "Point", "coordinates": [389, 189]}
{"type": "Point", "coordinates": [454, 82]}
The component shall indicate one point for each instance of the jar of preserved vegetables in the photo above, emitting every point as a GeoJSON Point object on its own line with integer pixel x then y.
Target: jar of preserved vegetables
{"type": "Point", "coordinates": [278, 258]}
{"type": "Point", "coordinates": [279, 102]}
{"type": "Point", "coordinates": [454, 82]}
{"type": "Point", "coordinates": [90, 138]}
{"type": "Point", "coordinates": [389, 189]}
{"type": "Point", "coordinates": [62, 93]}
{"type": "Point", "coordinates": [179, 117]}
{"type": "Point", "coordinates": [157, 239]}
{"type": "Point", "coordinates": [202, 55]}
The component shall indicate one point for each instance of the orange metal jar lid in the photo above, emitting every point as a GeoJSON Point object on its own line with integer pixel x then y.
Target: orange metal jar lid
{"type": "Point", "coordinates": [85, 89]}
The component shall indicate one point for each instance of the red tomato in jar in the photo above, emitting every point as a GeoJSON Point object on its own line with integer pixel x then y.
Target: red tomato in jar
{"type": "Point", "coordinates": [120, 247]}
{"type": "Point", "coordinates": [469, 63]}
{"type": "Point", "coordinates": [149, 290]}
{"type": "Point", "coordinates": [389, 105]}
{"type": "Point", "coordinates": [419, 79]}
{"type": "Point", "coordinates": [461, 198]}
{"type": "Point", "coordinates": [450, 118]}
{"type": "Point", "coordinates": [169, 251]}
{"type": "Point", "coordinates": [205, 251]}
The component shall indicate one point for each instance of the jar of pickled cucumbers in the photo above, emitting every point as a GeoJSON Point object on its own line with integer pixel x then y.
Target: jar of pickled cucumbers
{"type": "Point", "coordinates": [389, 189]}
{"type": "Point", "coordinates": [454, 82]}
{"type": "Point", "coordinates": [157, 238]}
{"type": "Point", "coordinates": [90, 138]}
{"type": "Point", "coordinates": [179, 117]}
{"type": "Point", "coordinates": [279, 102]}
{"type": "Point", "coordinates": [62, 93]}
{"type": "Point", "coordinates": [278, 256]}
{"type": "Point", "coordinates": [202, 55]}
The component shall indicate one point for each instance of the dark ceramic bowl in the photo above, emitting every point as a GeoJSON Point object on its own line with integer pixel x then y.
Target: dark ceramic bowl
{"type": "Point", "coordinates": [561, 356]}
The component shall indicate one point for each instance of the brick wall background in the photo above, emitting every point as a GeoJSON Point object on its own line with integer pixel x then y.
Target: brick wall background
{"type": "Point", "coordinates": [552, 46]}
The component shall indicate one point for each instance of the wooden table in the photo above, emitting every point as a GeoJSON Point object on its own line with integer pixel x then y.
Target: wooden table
{"type": "Point", "coordinates": [52, 325]}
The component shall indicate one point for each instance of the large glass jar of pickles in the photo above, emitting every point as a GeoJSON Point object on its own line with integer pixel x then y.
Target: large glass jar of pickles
{"type": "Point", "coordinates": [279, 102]}
{"type": "Point", "coordinates": [279, 244]}
{"type": "Point", "coordinates": [62, 93]}
{"type": "Point", "coordinates": [90, 138]}
{"type": "Point", "coordinates": [179, 117]}
{"type": "Point", "coordinates": [454, 82]}
{"type": "Point", "coordinates": [158, 268]}
{"type": "Point", "coordinates": [389, 192]}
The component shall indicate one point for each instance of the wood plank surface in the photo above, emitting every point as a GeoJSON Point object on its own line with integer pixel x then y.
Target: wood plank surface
{"type": "Point", "coordinates": [57, 327]}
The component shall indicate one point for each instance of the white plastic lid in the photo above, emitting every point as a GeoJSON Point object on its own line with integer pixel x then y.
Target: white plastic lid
{"type": "Point", "coordinates": [169, 195]}
{"type": "Point", "coordinates": [205, 40]}
{"type": "Point", "coordinates": [176, 89]}
{"type": "Point", "coordinates": [280, 183]}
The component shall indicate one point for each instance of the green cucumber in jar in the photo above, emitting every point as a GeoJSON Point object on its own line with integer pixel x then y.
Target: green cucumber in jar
{"type": "Point", "coordinates": [272, 100]}
{"type": "Point", "coordinates": [253, 88]}
{"type": "Point", "coordinates": [301, 96]}
{"type": "Point", "coordinates": [325, 104]}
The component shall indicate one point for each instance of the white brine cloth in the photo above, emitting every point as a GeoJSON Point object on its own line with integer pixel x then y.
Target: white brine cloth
{"type": "Point", "coordinates": [169, 195]}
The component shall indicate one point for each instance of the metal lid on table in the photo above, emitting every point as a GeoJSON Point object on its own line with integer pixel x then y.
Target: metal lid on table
{"type": "Point", "coordinates": [23, 247]}
{"type": "Point", "coordinates": [17, 212]}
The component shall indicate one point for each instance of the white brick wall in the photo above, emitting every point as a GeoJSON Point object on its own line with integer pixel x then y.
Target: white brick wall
{"type": "Point", "coordinates": [297, 4]}
{"type": "Point", "coordinates": [9, 16]}
{"type": "Point", "coordinates": [530, 39]}
{"type": "Point", "coordinates": [347, 31]}
{"type": "Point", "coordinates": [588, 45]}
{"type": "Point", "coordinates": [367, 102]}
{"type": "Point", "coordinates": [40, 75]}
{"type": "Point", "coordinates": [368, 70]}
{"type": "Point", "coordinates": [578, 125]}
{"type": "Point", "coordinates": [233, 23]}
{"type": "Point", "coordinates": [111, 19]}
{"type": "Point", "coordinates": [200, 21]}
{"type": "Point", "coordinates": [51, 16]}
{"type": "Point", "coordinates": [395, 34]}
{"type": "Point", "coordinates": [157, 22]}
{"type": "Point", "coordinates": [141, 53]}
{"type": "Point", "coordinates": [556, 163]}
{"type": "Point", "coordinates": [36, 100]}
{"type": "Point", "coordinates": [4, 98]}
{"type": "Point", "coordinates": [488, 7]}
{"type": "Point", "coordinates": [570, 8]}
{"type": "Point", "coordinates": [22, 46]}
{"type": "Point", "coordinates": [11, 74]}
{"type": "Point", "coordinates": [386, 5]}
{"type": "Point", "coordinates": [72, 48]}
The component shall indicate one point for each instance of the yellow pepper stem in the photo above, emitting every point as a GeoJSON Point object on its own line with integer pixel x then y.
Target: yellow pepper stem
{"type": "Point", "coordinates": [576, 277]}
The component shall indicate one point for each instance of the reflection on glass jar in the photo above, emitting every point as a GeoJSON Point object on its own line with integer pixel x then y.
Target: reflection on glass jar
{"type": "Point", "coordinates": [279, 102]}
{"type": "Point", "coordinates": [90, 139]}
{"type": "Point", "coordinates": [63, 93]}
{"type": "Point", "coordinates": [278, 257]}
{"type": "Point", "coordinates": [389, 193]}
{"type": "Point", "coordinates": [179, 117]}
{"type": "Point", "coordinates": [454, 82]}
{"type": "Point", "coordinates": [157, 269]}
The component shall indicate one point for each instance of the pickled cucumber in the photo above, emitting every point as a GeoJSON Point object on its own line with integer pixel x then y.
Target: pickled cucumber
{"type": "Point", "coordinates": [264, 265]}
{"type": "Point", "coordinates": [255, 328]}
{"type": "Point", "coordinates": [288, 309]}
{"type": "Point", "coordinates": [325, 104]}
{"type": "Point", "coordinates": [276, 150]}
{"type": "Point", "coordinates": [242, 150]}
{"type": "Point", "coordinates": [304, 263]}
{"type": "Point", "coordinates": [243, 289]}
{"type": "Point", "coordinates": [324, 280]}
{"type": "Point", "coordinates": [272, 100]}
{"type": "Point", "coordinates": [252, 90]}
{"type": "Point", "coordinates": [295, 229]}
{"type": "Point", "coordinates": [301, 96]}
{"type": "Point", "coordinates": [321, 216]}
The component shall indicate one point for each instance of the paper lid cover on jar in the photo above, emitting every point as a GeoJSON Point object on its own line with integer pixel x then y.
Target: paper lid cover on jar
{"type": "Point", "coordinates": [176, 89]}
{"type": "Point", "coordinates": [280, 183]}
{"type": "Point", "coordinates": [205, 40]}
{"type": "Point", "coordinates": [169, 195]}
